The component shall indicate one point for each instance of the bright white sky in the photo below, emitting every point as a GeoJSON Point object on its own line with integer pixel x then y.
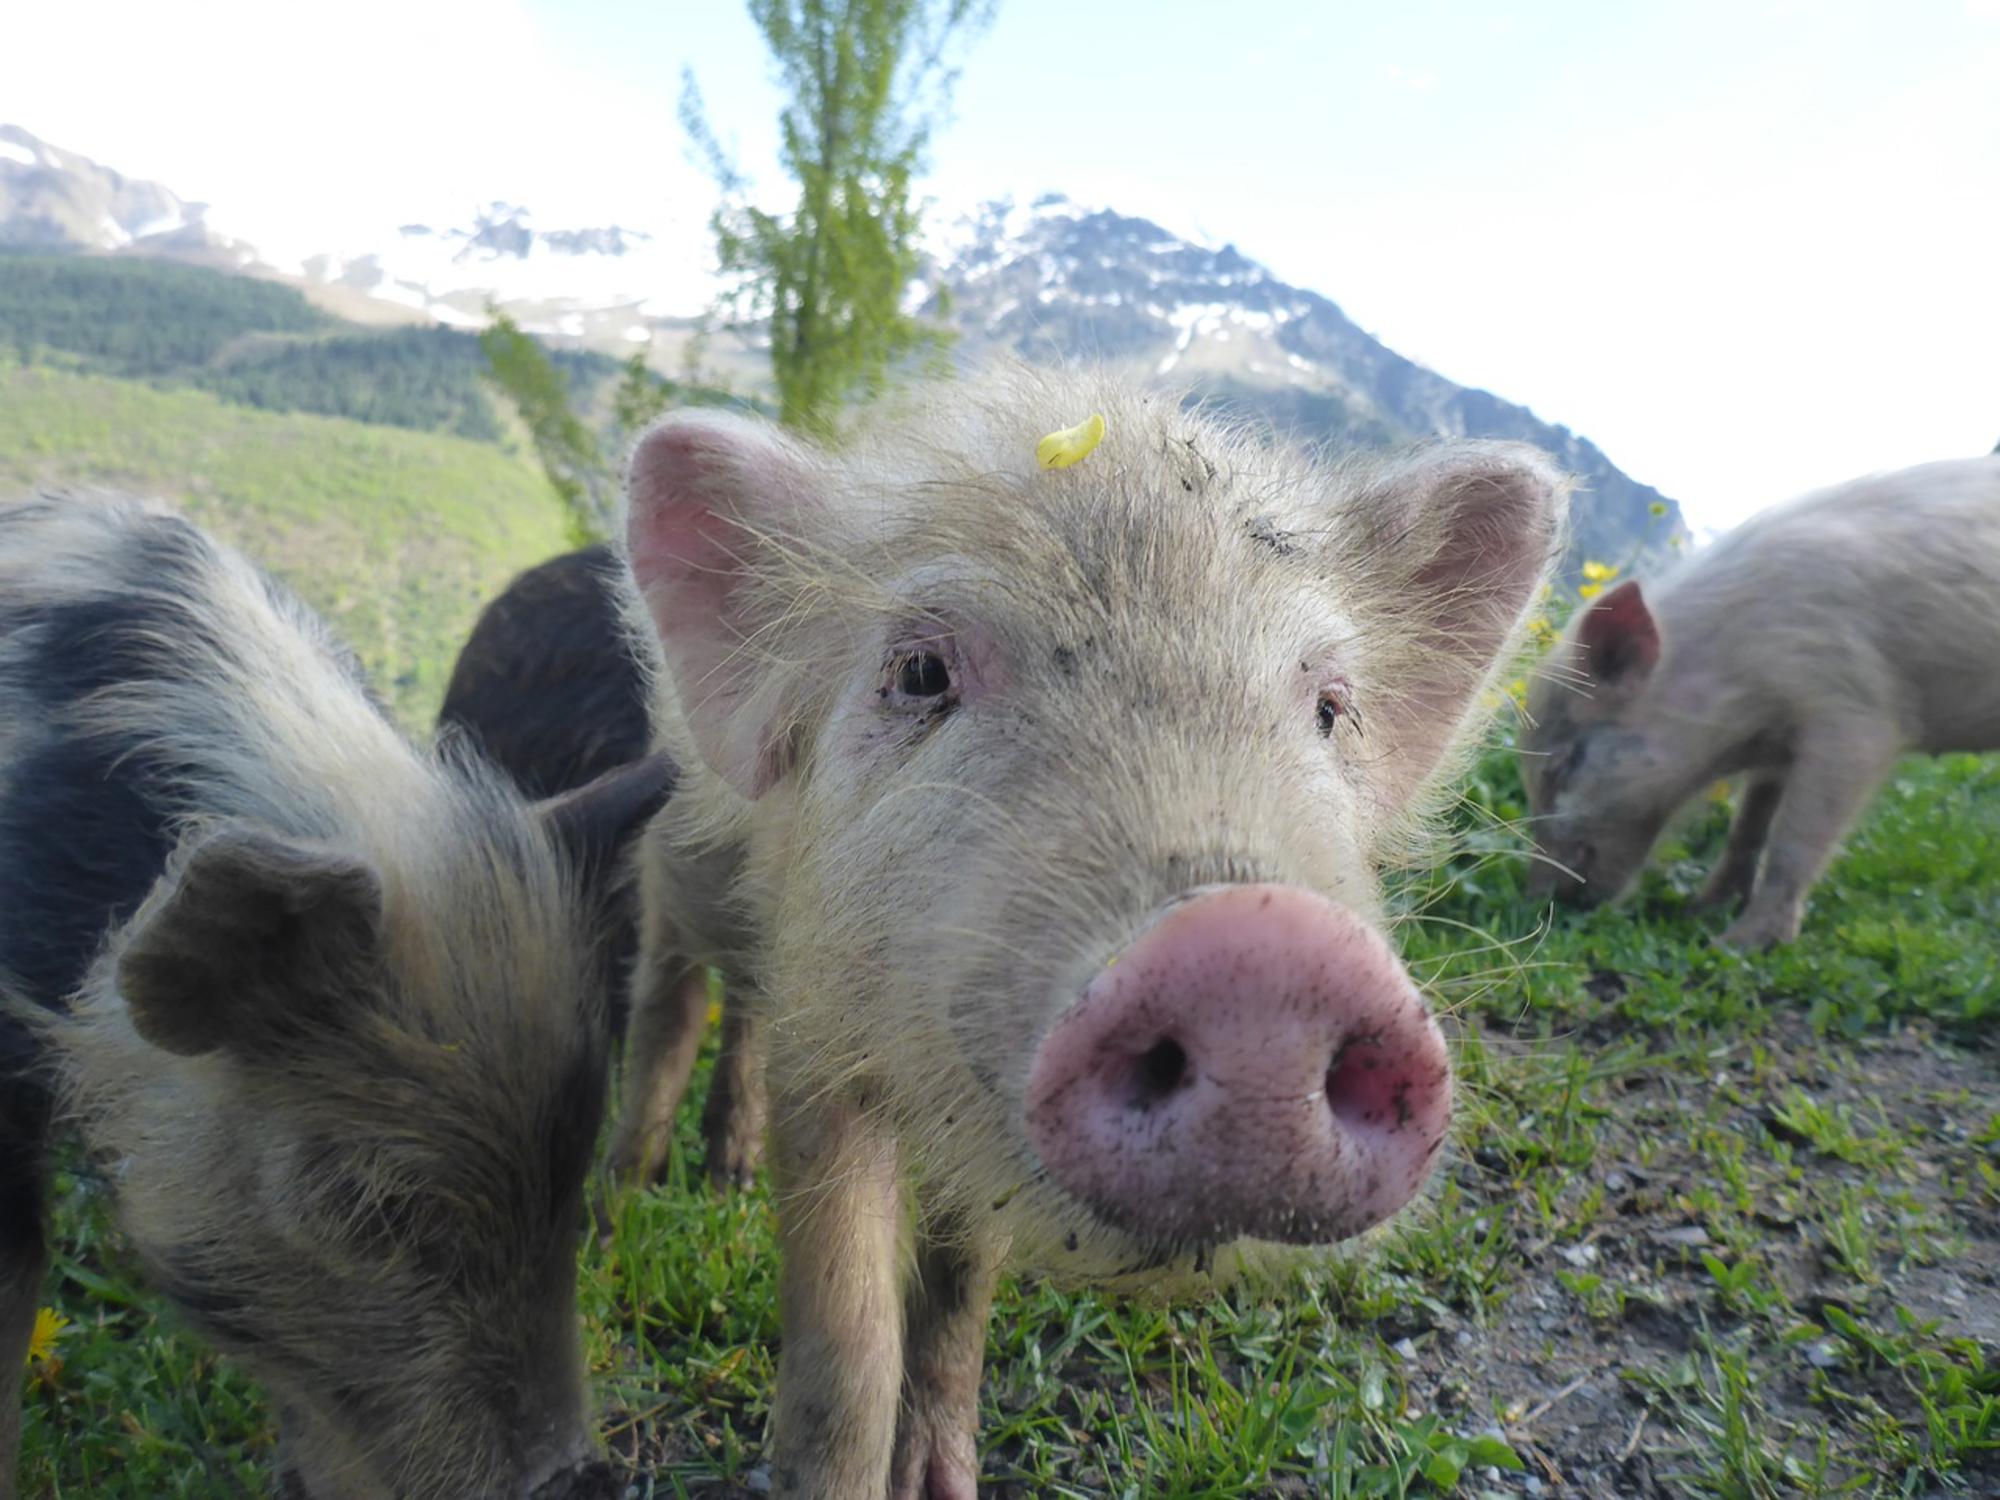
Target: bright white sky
{"type": "Point", "coordinates": [1747, 246]}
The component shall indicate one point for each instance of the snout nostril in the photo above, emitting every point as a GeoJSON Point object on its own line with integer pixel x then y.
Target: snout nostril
{"type": "Point", "coordinates": [1363, 1088]}
{"type": "Point", "coordinates": [1159, 1071]}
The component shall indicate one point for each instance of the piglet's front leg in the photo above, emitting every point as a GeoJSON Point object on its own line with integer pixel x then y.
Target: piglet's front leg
{"type": "Point", "coordinates": [945, 1310]}
{"type": "Point", "coordinates": [732, 1122]}
{"type": "Point", "coordinates": [840, 1233]}
{"type": "Point", "coordinates": [1839, 764]}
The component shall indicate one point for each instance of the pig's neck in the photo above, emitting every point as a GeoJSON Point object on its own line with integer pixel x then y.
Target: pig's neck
{"type": "Point", "coordinates": [1717, 722]}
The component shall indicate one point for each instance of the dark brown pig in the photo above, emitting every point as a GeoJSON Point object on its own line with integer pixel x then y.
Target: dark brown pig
{"type": "Point", "coordinates": [1805, 651]}
{"type": "Point", "coordinates": [1044, 807]}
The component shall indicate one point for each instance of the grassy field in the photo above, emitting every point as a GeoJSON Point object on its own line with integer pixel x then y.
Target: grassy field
{"type": "Point", "coordinates": [396, 536]}
{"type": "Point", "coordinates": [1714, 1226]}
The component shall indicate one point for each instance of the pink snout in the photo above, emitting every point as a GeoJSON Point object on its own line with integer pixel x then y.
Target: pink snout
{"type": "Point", "coordinates": [1256, 1063]}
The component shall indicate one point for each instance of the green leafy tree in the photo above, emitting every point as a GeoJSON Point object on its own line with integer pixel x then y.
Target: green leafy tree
{"type": "Point", "coordinates": [568, 450]}
{"type": "Point", "coordinates": [640, 397]}
{"type": "Point", "coordinates": [867, 82]}
{"type": "Point", "coordinates": [581, 453]}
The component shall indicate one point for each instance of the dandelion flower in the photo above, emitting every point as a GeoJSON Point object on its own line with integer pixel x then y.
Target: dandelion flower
{"type": "Point", "coordinates": [49, 1325]}
{"type": "Point", "coordinates": [1072, 445]}
{"type": "Point", "coordinates": [1589, 590]}
{"type": "Point", "coordinates": [1597, 572]}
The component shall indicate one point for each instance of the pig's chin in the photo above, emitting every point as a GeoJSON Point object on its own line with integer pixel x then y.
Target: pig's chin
{"type": "Point", "coordinates": [1202, 1237]}
{"type": "Point", "coordinates": [1088, 1251]}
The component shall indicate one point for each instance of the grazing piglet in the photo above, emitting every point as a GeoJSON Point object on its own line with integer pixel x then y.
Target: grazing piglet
{"type": "Point", "coordinates": [551, 688]}
{"type": "Point", "coordinates": [323, 1008]}
{"type": "Point", "coordinates": [1807, 649]}
{"type": "Point", "coordinates": [1055, 799]}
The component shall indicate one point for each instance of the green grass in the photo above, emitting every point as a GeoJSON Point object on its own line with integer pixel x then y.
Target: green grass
{"type": "Point", "coordinates": [397, 537]}
{"type": "Point", "coordinates": [1714, 1226]}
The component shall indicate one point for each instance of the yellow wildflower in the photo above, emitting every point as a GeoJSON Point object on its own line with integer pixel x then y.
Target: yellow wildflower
{"type": "Point", "coordinates": [1072, 445]}
{"type": "Point", "coordinates": [49, 1325]}
{"type": "Point", "coordinates": [1589, 590]}
{"type": "Point", "coordinates": [1597, 572]}
{"type": "Point", "coordinates": [714, 1011]}
{"type": "Point", "coordinates": [1657, 508]}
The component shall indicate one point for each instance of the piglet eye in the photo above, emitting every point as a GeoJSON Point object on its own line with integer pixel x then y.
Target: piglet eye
{"type": "Point", "coordinates": [1330, 710]}
{"type": "Point", "coordinates": [923, 675]}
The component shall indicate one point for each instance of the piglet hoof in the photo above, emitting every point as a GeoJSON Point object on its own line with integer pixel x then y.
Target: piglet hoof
{"type": "Point", "coordinates": [733, 1126]}
{"type": "Point", "coordinates": [732, 1161]}
{"type": "Point", "coordinates": [639, 1159]}
{"type": "Point", "coordinates": [604, 1212]}
{"type": "Point", "coordinates": [1724, 891]}
{"type": "Point", "coordinates": [735, 1149]}
{"type": "Point", "coordinates": [630, 1164]}
{"type": "Point", "coordinates": [946, 1468]}
{"type": "Point", "coordinates": [1754, 932]}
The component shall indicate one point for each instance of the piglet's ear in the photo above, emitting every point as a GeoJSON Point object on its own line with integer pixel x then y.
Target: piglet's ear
{"type": "Point", "coordinates": [1461, 538]}
{"type": "Point", "coordinates": [252, 945]}
{"type": "Point", "coordinates": [708, 495]}
{"type": "Point", "coordinates": [597, 822]}
{"type": "Point", "coordinates": [1618, 638]}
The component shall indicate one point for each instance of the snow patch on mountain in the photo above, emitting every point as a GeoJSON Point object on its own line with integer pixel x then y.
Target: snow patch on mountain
{"type": "Point", "coordinates": [1056, 280]}
{"type": "Point", "coordinates": [556, 281]}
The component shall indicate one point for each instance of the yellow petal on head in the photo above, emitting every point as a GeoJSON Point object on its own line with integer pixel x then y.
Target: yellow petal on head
{"type": "Point", "coordinates": [1073, 444]}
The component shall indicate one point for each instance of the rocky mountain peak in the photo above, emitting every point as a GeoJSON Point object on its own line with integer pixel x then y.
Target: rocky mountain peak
{"type": "Point", "coordinates": [1058, 280]}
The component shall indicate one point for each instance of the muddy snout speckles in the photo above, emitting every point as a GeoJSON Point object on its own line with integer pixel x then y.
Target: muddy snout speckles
{"type": "Point", "coordinates": [1255, 1063]}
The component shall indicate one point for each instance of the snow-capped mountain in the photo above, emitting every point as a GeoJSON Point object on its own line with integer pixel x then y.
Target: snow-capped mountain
{"type": "Point", "coordinates": [594, 285]}
{"type": "Point", "coordinates": [52, 199]}
{"type": "Point", "coordinates": [599, 285]}
{"type": "Point", "coordinates": [1050, 280]}
{"type": "Point", "coordinates": [1056, 280]}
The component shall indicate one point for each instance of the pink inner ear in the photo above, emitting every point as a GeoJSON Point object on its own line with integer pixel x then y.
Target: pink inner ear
{"type": "Point", "coordinates": [673, 533]}
{"type": "Point", "coordinates": [691, 478]}
{"type": "Point", "coordinates": [685, 569]}
{"type": "Point", "coordinates": [1618, 634]}
{"type": "Point", "coordinates": [1479, 521]}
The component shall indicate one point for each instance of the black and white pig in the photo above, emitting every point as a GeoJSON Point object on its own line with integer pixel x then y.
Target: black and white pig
{"type": "Point", "coordinates": [324, 1008]}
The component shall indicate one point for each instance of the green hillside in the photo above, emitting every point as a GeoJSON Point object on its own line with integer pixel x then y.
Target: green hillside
{"type": "Point", "coordinates": [396, 536]}
{"type": "Point", "coordinates": [139, 317]}
{"type": "Point", "coordinates": [254, 342]}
